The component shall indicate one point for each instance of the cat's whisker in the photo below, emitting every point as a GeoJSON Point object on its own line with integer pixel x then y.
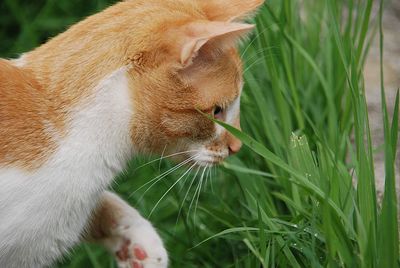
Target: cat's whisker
{"type": "Point", "coordinates": [170, 188]}
{"type": "Point", "coordinates": [187, 177]}
{"type": "Point", "coordinates": [195, 193]}
{"type": "Point", "coordinates": [161, 158]}
{"type": "Point", "coordinates": [211, 176]}
{"type": "Point", "coordinates": [161, 176]}
{"type": "Point", "coordinates": [255, 39]}
{"type": "Point", "coordinates": [260, 51]}
{"type": "Point", "coordinates": [198, 195]}
{"type": "Point", "coordinates": [208, 177]}
{"type": "Point", "coordinates": [165, 157]}
{"type": "Point", "coordinates": [213, 170]}
{"type": "Point", "coordinates": [168, 172]}
{"type": "Point", "coordinates": [252, 64]}
{"type": "Point", "coordinates": [187, 193]}
{"type": "Point", "coordinates": [258, 61]}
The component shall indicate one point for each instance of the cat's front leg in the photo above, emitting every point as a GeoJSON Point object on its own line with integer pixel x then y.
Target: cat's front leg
{"type": "Point", "coordinates": [123, 231]}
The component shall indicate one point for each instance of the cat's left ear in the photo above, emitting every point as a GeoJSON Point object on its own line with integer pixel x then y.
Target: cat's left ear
{"type": "Point", "coordinates": [222, 34]}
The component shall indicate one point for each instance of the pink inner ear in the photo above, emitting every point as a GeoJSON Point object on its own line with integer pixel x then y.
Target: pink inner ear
{"type": "Point", "coordinates": [200, 33]}
{"type": "Point", "coordinates": [190, 50]}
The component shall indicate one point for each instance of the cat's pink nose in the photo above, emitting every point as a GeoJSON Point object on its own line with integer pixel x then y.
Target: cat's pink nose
{"type": "Point", "coordinates": [234, 146]}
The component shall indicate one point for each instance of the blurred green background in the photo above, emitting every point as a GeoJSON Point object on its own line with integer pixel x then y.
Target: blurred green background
{"type": "Point", "coordinates": [26, 24]}
{"type": "Point", "coordinates": [287, 200]}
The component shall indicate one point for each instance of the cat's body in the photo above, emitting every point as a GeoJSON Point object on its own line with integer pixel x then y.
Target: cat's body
{"type": "Point", "coordinates": [70, 182]}
{"type": "Point", "coordinates": [73, 112]}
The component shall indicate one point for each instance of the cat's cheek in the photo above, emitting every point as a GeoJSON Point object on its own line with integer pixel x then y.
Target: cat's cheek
{"type": "Point", "coordinates": [183, 126]}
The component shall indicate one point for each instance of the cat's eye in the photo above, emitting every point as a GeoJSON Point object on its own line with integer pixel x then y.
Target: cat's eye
{"type": "Point", "coordinates": [218, 112]}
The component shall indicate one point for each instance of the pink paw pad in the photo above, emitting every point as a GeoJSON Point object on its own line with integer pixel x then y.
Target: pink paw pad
{"type": "Point", "coordinates": [136, 264]}
{"type": "Point", "coordinates": [123, 253]}
{"type": "Point", "coordinates": [134, 255]}
{"type": "Point", "coordinates": [139, 253]}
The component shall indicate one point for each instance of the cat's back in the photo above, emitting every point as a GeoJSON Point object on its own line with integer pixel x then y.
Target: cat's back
{"type": "Point", "coordinates": [24, 113]}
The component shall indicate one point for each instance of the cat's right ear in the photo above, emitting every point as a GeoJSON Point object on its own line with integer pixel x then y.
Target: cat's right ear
{"type": "Point", "coordinates": [221, 35]}
{"type": "Point", "coordinates": [229, 10]}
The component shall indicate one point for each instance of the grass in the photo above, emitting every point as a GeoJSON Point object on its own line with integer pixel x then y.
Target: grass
{"type": "Point", "coordinates": [287, 200]}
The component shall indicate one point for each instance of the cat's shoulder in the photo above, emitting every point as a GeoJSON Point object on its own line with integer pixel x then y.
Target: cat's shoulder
{"type": "Point", "coordinates": [16, 81]}
{"type": "Point", "coordinates": [24, 111]}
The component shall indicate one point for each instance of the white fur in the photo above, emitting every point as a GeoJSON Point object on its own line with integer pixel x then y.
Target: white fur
{"type": "Point", "coordinates": [43, 213]}
{"type": "Point", "coordinates": [20, 62]}
{"type": "Point", "coordinates": [232, 112]}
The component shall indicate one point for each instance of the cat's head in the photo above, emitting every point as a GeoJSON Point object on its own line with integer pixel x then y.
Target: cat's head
{"type": "Point", "coordinates": [189, 64]}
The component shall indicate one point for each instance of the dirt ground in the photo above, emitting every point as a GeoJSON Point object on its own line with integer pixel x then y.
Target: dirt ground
{"type": "Point", "coordinates": [391, 25]}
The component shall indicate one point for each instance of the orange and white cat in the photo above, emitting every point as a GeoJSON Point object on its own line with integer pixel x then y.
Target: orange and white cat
{"type": "Point", "coordinates": [128, 80]}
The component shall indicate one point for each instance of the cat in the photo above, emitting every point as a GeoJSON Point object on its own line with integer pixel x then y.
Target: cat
{"type": "Point", "coordinates": [128, 80]}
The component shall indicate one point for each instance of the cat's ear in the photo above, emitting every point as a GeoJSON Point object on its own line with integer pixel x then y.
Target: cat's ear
{"type": "Point", "coordinates": [229, 10]}
{"type": "Point", "coordinates": [221, 34]}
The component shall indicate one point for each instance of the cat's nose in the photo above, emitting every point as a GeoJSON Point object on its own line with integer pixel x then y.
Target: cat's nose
{"type": "Point", "coordinates": [234, 146]}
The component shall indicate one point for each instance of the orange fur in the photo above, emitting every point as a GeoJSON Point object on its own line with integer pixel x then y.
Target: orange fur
{"type": "Point", "coordinates": [147, 35]}
{"type": "Point", "coordinates": [222, 10]}
{"type": "Point", "coordinates": [25, 113]}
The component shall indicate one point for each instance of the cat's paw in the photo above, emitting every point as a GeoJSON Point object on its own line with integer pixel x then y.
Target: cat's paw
{"type": "Point", "coordinates": [137, 245]}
